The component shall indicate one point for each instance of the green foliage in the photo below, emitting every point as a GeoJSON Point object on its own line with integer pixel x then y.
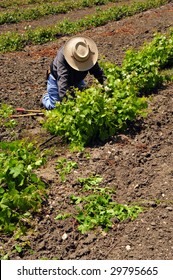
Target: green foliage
{"type": "Point", "coordinates": [90, 183]}
{"type": "Point", "coordinates": [168, 74]}
{"type": "Point", "coordinates": [12, 41]}
{"type": "Point", "coordinates": [100, 111]}
{"type": "Point", "coordinates": [64, 167]}
{"type": "Point", "coordinates": [51, 7]}
{"type": "Point", "coordinates": [63, 216]}
{"type": "Point", "coordinates": [43, 9]}
{"type": "Point", "coordinates": [88, 3]}
{"type": "Point", "coordinates": [95, 115]}
{"type": "Point", "coordinates": [144, 65]}
{"type": "Point", "coordinates": [5, 112]}
{"type": "Point", "coordinates": [16, 3]}
{"type": "Point", "coordinates": [66, 4]}
{"type": "Point", "coordinates": [98, 208]}
{"type": "Point", "coordinates": [35, 12]}
{"type": "Point", "coordinates": [21, 190]}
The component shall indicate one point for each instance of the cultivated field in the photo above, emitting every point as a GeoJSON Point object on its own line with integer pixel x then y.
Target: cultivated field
{"type": "Point", "coordinates": [131, 169]}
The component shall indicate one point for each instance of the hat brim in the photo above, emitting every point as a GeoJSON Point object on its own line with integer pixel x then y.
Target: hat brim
{"type": "Point", "coordinates": [75, 64]}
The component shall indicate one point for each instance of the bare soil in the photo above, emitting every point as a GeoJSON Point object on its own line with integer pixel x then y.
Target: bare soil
{"type": "Point", "coordinates": [138, 163]}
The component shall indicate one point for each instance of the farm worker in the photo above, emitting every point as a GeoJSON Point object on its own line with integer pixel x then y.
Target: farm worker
{"type": "Point", "coordinates": [73, 62]}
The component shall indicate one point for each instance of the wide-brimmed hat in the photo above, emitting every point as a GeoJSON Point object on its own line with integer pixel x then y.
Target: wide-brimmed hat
{"type": "Point", "coordinates": [81, 53]}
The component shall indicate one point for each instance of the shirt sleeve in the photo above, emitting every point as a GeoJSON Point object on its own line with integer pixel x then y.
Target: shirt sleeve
{"type": "Point", "coordinates": [98, 73]}
{"type": "Point", "coordinates": [62, 73]}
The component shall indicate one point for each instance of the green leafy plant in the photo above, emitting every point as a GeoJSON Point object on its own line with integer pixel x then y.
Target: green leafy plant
{"type": "Point", "coordinates": [142, 68]}
{"type": "Point", "coordinates": [98, 208]}
{"type": "Point", "coordinates": [90, 183]}
{"type": "Point", "coordinates": [64, 167]}
{"type": "Point", "coordinates": [21, 190]}
{"type": "Point", "coordinates": [95, 115]}
{"type": "Point", "coordinates": [5, 112]}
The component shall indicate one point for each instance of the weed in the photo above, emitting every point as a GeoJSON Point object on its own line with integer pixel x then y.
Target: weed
{"type": "Point", "coordinates": [64, 167]}
{"type": "Point", "coordinates": [98, 208]}
{"type": "Point", "coordinates": [5, 112]}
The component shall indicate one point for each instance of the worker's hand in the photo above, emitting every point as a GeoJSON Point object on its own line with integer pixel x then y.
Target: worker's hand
{"type": "Point", "coordinates": [57, 104]}
{"type": "Point", "coordinates": [106, 87]}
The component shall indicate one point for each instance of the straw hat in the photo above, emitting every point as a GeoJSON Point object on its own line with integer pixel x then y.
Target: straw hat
{"type": "Point", "coordinates": [81, 53]}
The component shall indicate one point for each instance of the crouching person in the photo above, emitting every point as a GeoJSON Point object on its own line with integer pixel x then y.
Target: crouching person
{"type": "Point", "coordinates": [73, 62]}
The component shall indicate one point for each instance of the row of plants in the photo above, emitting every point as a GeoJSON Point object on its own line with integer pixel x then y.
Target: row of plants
{"type": "Point", "coordinates": [109, 108]}
{"type": "Point", "coordinates": [21, 190]}
{"type": "Point", "coordinates": [16, 3]}
{"type": "Point", "coordinates": [12, 41]}
{"type": "Point", "coordinates": [35, 12]}
{"type": "Point", "coordinates": [44, 9]}
{"type": "Point", "coordinates": [98, 112]}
